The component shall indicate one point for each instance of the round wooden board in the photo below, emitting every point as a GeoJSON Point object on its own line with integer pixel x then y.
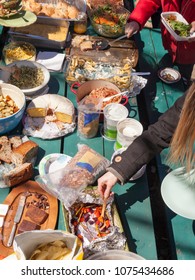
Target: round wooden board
{"type": "Point", "coordinates": [12, 200]}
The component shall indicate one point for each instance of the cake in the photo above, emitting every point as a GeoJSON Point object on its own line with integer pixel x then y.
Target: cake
{"type": "Point", "coordinates": [36, 214]}
{"type": "Point", "coordinates": [27, 226]}
{"type": "Point", "coordinates": [61, 107]}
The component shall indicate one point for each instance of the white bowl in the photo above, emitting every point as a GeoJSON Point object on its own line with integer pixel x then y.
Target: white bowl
{"type": "Point", "coordinates": [169, 75]}
{"type": "Point", "coordinates": [5, 75]}
{"type": "Point", "coordinates": [9, 123]}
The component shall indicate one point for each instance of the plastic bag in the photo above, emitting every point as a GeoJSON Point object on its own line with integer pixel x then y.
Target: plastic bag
{"type": "Point", "coordinates": [81, 171]}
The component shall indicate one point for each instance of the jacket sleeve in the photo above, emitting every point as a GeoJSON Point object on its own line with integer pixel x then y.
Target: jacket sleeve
{"type": "Point", "coordinates": [147, 145]}
{"type": "Point", "coordinates": [144, 10]}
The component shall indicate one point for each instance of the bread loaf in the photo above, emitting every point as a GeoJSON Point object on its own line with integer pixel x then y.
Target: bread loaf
{"type": "Point", "coordinates": [24, 153]}
{"type": "Point", "coordinates": [18, 174]}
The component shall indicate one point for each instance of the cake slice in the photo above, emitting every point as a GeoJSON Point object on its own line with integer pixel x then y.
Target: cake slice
{"type": "Point", "coordinates": [36, 214]}
{"type": "Point", "coordinates": [26, 225]}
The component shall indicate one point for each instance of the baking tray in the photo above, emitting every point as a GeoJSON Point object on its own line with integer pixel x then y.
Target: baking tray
{"type": "Point", "coordinates": [115, 216]}
{"type": "Point", "coordinates": [40, 41]}
{"type": "Point", "coordinates": [81, 5]}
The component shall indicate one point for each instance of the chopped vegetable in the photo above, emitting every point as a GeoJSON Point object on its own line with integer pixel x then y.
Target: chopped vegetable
{"type": "Point", "coordinates": [182, 29]}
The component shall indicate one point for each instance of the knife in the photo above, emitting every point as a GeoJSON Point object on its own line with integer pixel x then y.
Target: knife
{"type": "Point", "coordinates": [17, 218]}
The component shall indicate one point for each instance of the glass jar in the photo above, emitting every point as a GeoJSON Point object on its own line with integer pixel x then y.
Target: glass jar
{"type": "Point", "coordinates": [80, 26]}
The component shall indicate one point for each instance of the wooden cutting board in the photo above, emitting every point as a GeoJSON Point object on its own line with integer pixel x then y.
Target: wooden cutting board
{"type": "Point", "coordinates": [36, 194]}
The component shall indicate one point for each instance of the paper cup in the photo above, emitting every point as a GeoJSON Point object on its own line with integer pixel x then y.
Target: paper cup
{"type": "Point", "coordinates": [127, 131]}
{"type": "Point", "coordinates": [113, 113]}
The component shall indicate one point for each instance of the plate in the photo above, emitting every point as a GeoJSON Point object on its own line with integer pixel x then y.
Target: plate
{"type": "Point", "coordinates": [52, 163]}
{"type": "Point", "coordinates": [178, 192]}
{"type": "Point", "coordinates": [169, 75]}
{"type": "Point", "coordinates": [12, 200]}
{"type": "Point", "coordinates": [21, 19]}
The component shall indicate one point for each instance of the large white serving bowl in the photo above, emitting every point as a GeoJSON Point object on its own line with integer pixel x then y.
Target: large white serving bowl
{"type": "Point", "coordinates": [11, 122]}
{"type": "Point", "coordinates": [5, 75]}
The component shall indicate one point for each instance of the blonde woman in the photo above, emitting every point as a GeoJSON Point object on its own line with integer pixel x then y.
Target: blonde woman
{"type": "Point", "coordinates": [175, 128]}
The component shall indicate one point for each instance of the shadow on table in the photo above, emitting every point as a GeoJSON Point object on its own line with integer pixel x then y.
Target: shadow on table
{"type": "Point", "coordinates": [136, 193]}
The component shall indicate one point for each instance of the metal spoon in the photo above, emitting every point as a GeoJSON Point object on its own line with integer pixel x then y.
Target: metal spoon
{"type": "Point", "coordinates": [103, 44]}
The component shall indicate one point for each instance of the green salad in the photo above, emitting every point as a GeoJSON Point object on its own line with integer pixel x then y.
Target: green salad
{"type": "Point", "coordinates": [180, 28]}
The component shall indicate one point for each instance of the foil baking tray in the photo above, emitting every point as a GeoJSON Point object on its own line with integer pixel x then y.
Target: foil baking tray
{"type": "Point", "coordinates": [81, 5]}
{"type": "Point", "coordinates": [23, 34]}
{"type": "Point", "coordinates": [91, 243]}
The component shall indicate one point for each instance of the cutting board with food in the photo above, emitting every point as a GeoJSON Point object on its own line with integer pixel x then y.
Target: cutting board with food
{"type": "Point", "coordinates": [88, 45]}
{"type": "Point", "coordinates": [30, 208]}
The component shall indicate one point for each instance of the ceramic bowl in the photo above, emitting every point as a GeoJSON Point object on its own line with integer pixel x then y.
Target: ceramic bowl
{"type": "Point", "coordinates": [169, 75]}
{"type": "Point", "coordinates": [5, 76]}
{"type": "Point", "coordinates": [9, 123]}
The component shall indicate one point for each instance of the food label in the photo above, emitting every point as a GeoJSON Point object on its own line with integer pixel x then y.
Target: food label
{"type": "Point", "coordinates": [89, 161]}
{"type": "Point", "coordinates": [88, 118]}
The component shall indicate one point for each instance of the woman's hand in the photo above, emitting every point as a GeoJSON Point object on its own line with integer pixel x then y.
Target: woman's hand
{"type": "Point", "coordinates": [131, 28]}
{"type": "Point", "coordinates": [192, 30]}
{"type": "Point", "coordinates": [105, 184]}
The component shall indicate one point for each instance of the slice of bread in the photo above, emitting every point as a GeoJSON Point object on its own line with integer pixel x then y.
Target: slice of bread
{"type": "Point", "coordinates": [15, 141]}
{"type": "Point", "coordinates": [18, 174]}
{"type": "Point", "coordinates": [24, 153]}
{"type": "Point", "coordinates": [5, 149]}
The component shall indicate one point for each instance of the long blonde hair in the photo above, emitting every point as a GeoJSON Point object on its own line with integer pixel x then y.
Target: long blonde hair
{"type": "Point", "coordinates": [182, 144]}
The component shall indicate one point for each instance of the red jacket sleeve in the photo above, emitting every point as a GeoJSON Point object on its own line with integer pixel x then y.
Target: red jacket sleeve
{"type": "Point", "coordinates": [144, 10]}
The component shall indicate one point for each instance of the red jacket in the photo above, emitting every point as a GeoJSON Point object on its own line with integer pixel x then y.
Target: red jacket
{"type": "Point", "coordinates": [181, 52]}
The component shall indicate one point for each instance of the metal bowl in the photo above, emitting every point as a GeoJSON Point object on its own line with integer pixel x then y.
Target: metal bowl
{"type": "Point", "coordinates": [106, 30]}
{"type": "Point", "coordinates": [169, 75]}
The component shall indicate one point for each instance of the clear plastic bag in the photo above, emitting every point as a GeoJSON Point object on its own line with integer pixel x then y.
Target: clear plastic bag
{"type": "Point", "coordinates": [81, 171]}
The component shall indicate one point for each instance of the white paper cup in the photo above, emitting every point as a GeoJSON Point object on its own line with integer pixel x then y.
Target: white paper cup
{"type": "Point", "coordinates": [127, 131]}
{"type": "Point", "coordinates": [113, 113]}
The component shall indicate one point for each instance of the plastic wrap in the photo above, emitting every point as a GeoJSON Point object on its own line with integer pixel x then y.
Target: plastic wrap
{"type": "Point", "coordinates": [81, 171]}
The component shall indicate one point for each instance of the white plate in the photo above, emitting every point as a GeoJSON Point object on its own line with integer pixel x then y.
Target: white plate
{"type": "Point", "coordinates": [166, 71]}
{"type": "Point", "coordinates": [178, 192]}
{"type": "Point", "coordinates": [173, 33]}
{"type": "Point", "coordinates": [52, 163]}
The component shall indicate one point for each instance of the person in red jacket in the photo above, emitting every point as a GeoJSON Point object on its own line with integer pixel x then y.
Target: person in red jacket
{"type": "Point", "coordinates": [181, 52]}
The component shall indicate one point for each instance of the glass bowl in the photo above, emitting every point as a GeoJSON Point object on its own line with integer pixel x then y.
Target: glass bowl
{"type": "Point", "coordinates": [15, 51]}
{"type": "Point", "coordinates": [108, 22]}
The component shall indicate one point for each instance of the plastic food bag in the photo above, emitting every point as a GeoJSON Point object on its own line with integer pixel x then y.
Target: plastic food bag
{"type": "Point", "coordinates": [88, 116]}
{"type": "Point", "coordinates": [81, 171]}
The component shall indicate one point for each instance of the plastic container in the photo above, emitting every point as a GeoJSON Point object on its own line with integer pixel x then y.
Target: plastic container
{"type": "Point", "coordinates": [113, 113]}
{"type": "Point", "coordinates": [127, 131]}
{"type": "Point", "coordinates": [80, 26]}
{"type": "Point", "coordinates": [179, 17]}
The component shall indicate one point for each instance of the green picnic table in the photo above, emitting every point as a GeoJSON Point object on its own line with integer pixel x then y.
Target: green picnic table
{"type": "Point", "coordinates": [140, 214]}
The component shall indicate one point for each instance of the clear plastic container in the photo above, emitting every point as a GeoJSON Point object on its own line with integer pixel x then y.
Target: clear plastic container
{"type": "Point", "coordinates": [113, 113]}
{"type": "Point", "coordinates": [80, 25]}
{"type": "Point", "coordinates": [127, 131]}
{"type": "Point", "coordinates": [20, 50]}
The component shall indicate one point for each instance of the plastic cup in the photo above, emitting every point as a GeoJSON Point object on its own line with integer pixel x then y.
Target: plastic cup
{"type": "Point", "coordinates": [127, 131]}
{"type": "Point", "coordinates": [113, 113]}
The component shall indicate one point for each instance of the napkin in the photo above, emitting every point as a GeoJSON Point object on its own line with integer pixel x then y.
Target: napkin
{"type": "Point", "coordinates": [51, 60]}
